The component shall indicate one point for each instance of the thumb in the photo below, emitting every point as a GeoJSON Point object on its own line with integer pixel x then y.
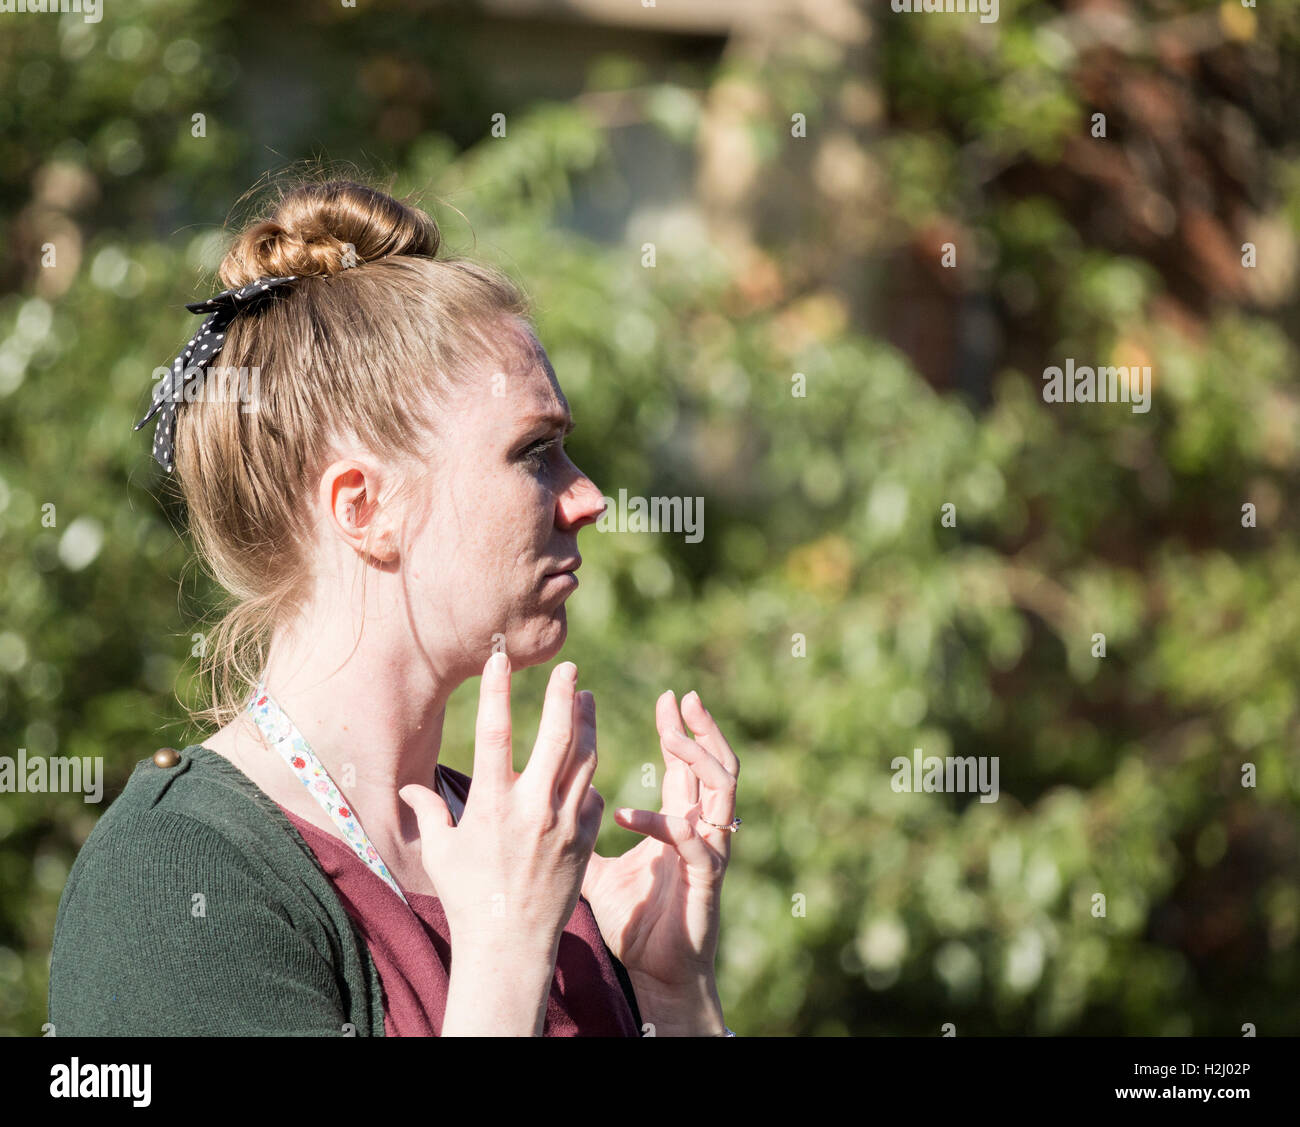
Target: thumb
{"type": "Point", "coordinates": [430, 810]}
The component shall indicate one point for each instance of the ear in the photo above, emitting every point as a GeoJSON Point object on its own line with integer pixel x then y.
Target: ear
{"type": "Point", "coordinates": [348, 489]}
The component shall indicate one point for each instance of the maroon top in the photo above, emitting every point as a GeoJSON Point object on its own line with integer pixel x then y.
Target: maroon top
{"type": "Point", "coordinates": [590, 994]}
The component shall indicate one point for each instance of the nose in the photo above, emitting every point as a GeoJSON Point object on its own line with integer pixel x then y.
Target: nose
{"type": "Point", "coordinates": [580, 504]}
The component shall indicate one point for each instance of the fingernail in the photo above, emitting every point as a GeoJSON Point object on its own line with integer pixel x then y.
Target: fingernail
{"type": "Point", "coordinates": [497, 662]}
{"type": "Point", "coordinates": [694, 694]}
{"type": "Point", "coordinates": [568, 670]}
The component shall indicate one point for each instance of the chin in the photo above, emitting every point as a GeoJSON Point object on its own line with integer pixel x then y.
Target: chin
{"type": "Point", "coordinates": [543, 644]}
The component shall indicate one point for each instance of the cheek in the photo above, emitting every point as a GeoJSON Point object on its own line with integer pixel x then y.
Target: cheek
{"type": "Point", "coordinates": [532, 498]}
{"type": "Point", "coordinates": [510, 532]}
{"type": "Point", "coordinates": [503, 522]}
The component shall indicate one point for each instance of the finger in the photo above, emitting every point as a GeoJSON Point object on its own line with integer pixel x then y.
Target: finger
{"type": "Point", "coordinates": [591, 814]}
{"type": "Point", "coordinates": [708, 733]}
{"type": "Point", "coordinates": [681, 787]}
{"type": "Point", "coordinates": [430, 810]}
{"type": "Point", "coordinates": [717, 787]}
{"type": "Point", "coordinates": [582, 758]}
{"type": "Point", "coordinates": [673, 831]}
{"type": "Point", "coordinates": [672, 737]}
{"type": "Point", "coordinates": [493, 768]}
{"type": "Point", "coordinates": [707, 769]}
{"type": "Point", "coordinates": [550, 755]}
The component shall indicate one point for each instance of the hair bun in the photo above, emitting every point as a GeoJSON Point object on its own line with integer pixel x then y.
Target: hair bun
{"type": "Point", "coordinates": [321, 229]}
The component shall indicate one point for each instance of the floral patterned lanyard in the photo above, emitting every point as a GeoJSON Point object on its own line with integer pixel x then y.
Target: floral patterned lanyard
{"type": "Point", "coordinates": [283, 735]}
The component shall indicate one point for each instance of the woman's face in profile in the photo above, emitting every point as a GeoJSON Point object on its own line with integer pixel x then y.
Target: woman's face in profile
{"type": "Point", "coordinates": [504, 515]}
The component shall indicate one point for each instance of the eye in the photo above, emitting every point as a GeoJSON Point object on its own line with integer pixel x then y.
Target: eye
{"type": "Point", "coordinates": [536, 453]}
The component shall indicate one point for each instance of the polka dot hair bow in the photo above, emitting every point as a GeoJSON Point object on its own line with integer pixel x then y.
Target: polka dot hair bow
{"type": "Point", "coordinates": [189, 367]}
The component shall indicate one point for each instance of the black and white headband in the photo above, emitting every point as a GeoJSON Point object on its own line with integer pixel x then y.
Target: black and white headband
{"type": "Point", "coordinates": [190, 366]}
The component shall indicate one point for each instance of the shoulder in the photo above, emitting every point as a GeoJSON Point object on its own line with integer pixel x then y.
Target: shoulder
{"type": "Point", "coordinates": [191, 819]}
{"type": "Point", "coordinates": [190, 895]}
{"type": "Point", "coordinates": [196, 792]}
{"type": "Point", "coordinates": [193, 780]}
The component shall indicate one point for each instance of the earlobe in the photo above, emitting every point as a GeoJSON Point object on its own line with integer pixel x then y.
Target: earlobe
{"type": "Point", "coordinates": [383, 549]}
{"type": "Point", "coordinates": [377, 539]}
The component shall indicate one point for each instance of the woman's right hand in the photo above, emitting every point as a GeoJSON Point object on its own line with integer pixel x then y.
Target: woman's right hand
{"type": "Point", "coordinates": [510, 873]}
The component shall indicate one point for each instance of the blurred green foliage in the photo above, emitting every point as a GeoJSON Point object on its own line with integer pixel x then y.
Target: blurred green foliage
{"type": "Point", "coordinates": [848, 908]}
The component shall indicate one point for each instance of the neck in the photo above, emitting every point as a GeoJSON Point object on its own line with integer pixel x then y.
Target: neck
{"type": "Point", "coordinates": [374, 720]}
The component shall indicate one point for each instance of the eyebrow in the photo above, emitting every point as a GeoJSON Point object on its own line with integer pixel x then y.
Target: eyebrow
{"type": "Point", "coordinates": [555, 418]}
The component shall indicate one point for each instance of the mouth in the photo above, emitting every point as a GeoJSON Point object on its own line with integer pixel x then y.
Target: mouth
{"type": "Point", "coordinates": [567, 567]}
{"type": "Point", "coordinates": [564, 575]}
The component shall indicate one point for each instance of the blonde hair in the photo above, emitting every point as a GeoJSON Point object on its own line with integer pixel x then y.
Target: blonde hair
{"type": "Point", "coordinates": [363, 351]}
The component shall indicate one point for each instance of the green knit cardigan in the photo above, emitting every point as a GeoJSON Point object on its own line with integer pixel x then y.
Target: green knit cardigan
{"type": "Point", "coordinates": [195, 908]}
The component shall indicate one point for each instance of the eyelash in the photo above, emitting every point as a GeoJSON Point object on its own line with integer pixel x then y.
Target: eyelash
{"type": "Point", "coordinates": [536, 453]}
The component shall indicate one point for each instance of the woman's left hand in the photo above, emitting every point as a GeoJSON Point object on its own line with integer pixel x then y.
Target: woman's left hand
{"type": "Point", "coordinates": [658, 904]}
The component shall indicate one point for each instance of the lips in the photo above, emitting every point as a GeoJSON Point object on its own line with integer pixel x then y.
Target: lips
{"type": "Point", "coordinates": [563, 577]}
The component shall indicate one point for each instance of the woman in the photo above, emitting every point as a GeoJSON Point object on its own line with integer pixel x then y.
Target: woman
{"type": "Point", "coordinates": [394, 513]}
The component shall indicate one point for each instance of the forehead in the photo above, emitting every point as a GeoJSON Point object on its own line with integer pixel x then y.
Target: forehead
{"type": "Point", "coordinates": [518, 390]}
{"type": "Point", "coordinates": [533, 380]}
